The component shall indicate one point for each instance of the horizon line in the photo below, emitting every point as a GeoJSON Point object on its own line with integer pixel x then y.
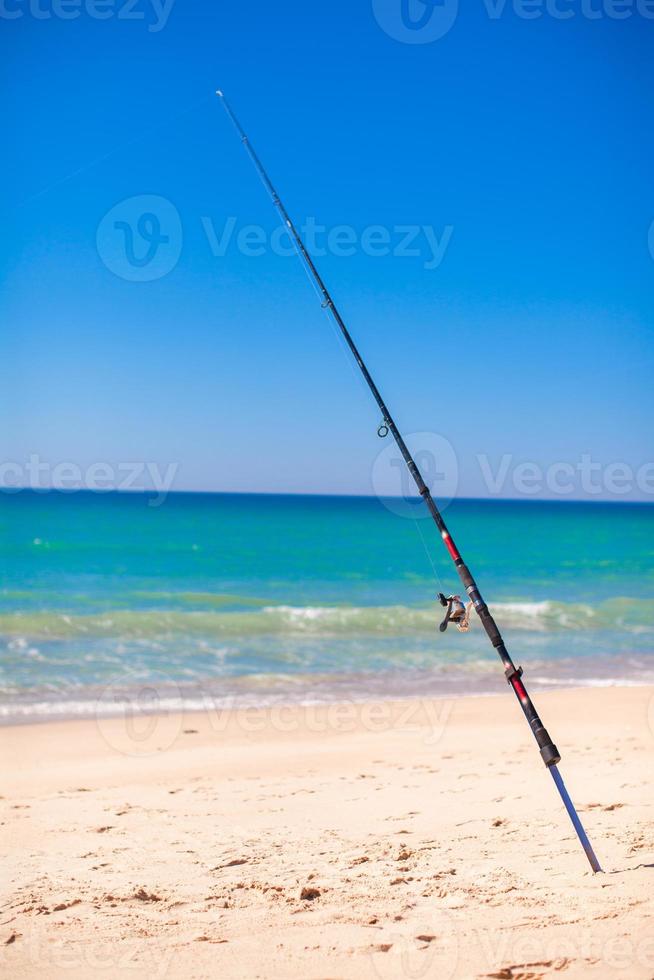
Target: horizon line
{"type": "Point", "coordinates": [140, 491]}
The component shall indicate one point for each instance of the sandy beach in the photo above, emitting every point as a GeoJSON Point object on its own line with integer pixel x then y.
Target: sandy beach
{"type": "Point", "coordinates": [399, 839]}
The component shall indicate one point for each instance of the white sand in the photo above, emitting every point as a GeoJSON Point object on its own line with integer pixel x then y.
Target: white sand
{"type": "Point", "coordinates": [392, 840]}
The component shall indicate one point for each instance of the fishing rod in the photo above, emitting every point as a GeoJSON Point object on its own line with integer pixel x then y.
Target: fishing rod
{"type": "Point", "coordinates": [548, 750]}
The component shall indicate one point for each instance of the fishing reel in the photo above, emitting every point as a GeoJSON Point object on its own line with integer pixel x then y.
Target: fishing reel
{"type": "Point", "coordinates": [456, 613]}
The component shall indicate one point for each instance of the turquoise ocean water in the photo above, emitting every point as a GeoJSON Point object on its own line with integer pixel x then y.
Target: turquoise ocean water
{"type": "Point", "coordinates": [239, 599]}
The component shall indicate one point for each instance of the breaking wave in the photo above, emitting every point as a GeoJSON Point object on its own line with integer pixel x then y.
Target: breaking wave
{"type": "Point", "coordinates": [629, 615]}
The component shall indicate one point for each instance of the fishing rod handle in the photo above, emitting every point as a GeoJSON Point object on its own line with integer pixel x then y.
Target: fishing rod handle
{"type": "Point", "coordinates": [548, 750]}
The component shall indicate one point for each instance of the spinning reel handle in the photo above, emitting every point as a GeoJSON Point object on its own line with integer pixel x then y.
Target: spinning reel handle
{"type": "Point", "coordinates": [448, 604]}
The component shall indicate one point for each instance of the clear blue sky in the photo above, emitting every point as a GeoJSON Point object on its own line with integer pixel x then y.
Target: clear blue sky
{"type": "Point", "coordinates": [532, 140]}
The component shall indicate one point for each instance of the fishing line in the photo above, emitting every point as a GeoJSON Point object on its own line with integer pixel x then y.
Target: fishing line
{"type": "Point", "coordinates": [342, 347]}
{"type": "Point", "coordinates": [105, 156]}
{"type": "Point", "coordinates": [429, 556]}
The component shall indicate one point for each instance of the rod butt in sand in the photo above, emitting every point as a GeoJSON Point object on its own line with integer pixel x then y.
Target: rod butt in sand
{"type": "Point", "coordinates": [576, 822]}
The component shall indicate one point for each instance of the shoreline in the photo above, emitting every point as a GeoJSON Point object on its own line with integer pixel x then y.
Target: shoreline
{"type": "Point", "coordinates": [199, 699]}
{"type": "Point", "coordinates": [386, 839]}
